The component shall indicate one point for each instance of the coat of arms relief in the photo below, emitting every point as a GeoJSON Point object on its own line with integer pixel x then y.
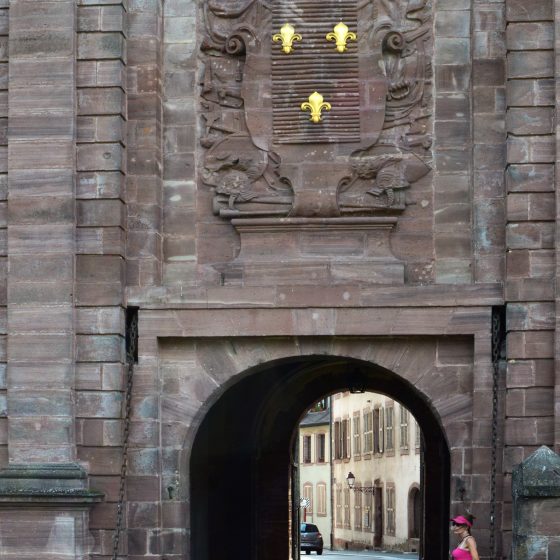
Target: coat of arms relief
{"type": "Point", "coordinates": [315, 109]}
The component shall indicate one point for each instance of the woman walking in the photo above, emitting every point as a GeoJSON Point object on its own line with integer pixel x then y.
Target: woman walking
{"type": "Point", "coordinates": [466, 549]}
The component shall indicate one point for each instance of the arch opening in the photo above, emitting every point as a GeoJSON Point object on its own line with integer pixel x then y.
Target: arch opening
{"type": "Point", "coordinates": [242, 456]}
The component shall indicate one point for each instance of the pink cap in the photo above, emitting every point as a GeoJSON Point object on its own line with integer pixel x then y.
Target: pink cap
{"type": "Point", "coordinates": [460, 520]}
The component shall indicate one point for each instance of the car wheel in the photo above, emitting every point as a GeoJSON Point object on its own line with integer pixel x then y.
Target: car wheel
{"type": "Point", "coordinates": [319, 552]}
{"type": "Point", "coordinates": [308, 552]}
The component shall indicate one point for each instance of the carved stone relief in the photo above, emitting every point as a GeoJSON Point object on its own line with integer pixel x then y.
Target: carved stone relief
{"type": "Point", "coordinates": [263, 156]}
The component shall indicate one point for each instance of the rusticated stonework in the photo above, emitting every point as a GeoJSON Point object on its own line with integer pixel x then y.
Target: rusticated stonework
{"type": "Point", "coordinates": [264, 156]}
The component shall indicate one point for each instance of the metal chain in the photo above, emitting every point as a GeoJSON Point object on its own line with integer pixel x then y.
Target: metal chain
{"type": "Point", "coordinates": [497, 344]}
{"type": "Point", "coordinates": [131, 344]}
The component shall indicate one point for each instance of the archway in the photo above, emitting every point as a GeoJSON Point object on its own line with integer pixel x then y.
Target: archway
{"type": "Point", "coordinates": [240, 458]}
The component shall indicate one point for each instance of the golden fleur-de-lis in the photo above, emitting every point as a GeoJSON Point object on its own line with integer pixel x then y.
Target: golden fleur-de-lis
{"type": "Point", "coordinates": [287, 36]}
{"type": "Point", "coordinates": [341, 35]}
{"type": "Point", "coordinates": [316, 105]}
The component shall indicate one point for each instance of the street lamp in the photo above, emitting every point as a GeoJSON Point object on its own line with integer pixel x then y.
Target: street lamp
{"type": "Point", "coordinates": [351, 481]}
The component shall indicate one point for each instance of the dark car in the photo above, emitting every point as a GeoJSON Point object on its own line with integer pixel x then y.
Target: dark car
{"type": "Point", "coordinates": [311, 538]}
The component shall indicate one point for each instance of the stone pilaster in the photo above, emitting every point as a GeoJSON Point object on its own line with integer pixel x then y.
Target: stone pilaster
{"type": "Point", "coordinates": [41, 231]}
{"type": "Point", "coordinates": [44, 494]}
{"type": "Point", "coordinates": [530, 215]}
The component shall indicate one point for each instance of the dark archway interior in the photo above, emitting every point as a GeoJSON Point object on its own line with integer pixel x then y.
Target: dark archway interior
{"type": "Point", "coordinates": [240, 459]}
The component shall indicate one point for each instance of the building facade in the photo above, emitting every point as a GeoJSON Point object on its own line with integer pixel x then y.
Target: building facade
{"type": "Point", "coordinates": [211, 218]}
{"type": "Point", "coordinates": [378, 441]}
{"type": "Point", "coordinates": [315, 470]}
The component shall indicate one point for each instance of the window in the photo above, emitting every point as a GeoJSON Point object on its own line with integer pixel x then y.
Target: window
{"type": "Point", "coordinates": [308, 493]}
{"type": "Point", "coordinates": [321, 405]}
{"type": "Point", "coordinates": [338, 501]}
{"type": "Point", "coordinates": [368, 432]}
{"type": "Point", "coordinates": [321, 499]}
{"type": "Point", "coordinates": [390, 498]}
{"type": "Point", "coordinates": [347, 508]}
{"type": "Point", "coordinates": [358, 511]}
{"type": "Point", "coordinates": [345, 439]}
{"type": "Point", "coordinates": [306, 449]}
{"type": "Point", "coordinates": [368, 511]}
{"type": "Point", "coordinates": [321, 449]}
{"type": "Point", "coordinates": [404, 427]}
{"type": "Point", "coordinates": [418, 434]}
{"type": "Point", "coordinates": [337, 439]}
{"type": "Point", "coordinates": [357, 435]}
{"type": "Point", "coordinates": [378, 430]}
{"type": "Point", "coordinates": [389, 428]}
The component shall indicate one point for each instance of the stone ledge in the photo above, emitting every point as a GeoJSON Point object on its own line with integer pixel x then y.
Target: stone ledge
{"type": "Point", "coordinates": [45, 484]}
{"type": "Point", "coordinates": [351, 295]}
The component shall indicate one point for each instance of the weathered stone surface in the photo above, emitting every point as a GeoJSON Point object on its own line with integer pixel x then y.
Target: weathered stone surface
{"type": "Point", "coordinates": [536, 493]}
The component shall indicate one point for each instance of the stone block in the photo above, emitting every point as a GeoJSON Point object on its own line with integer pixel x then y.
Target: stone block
{"type": "Point", "coordinates": [103, 269]}
{"type": "Point", "coordinates": [489, 129]}
{"type": "Point", "coordinates": [101, 213]}
{"type": "Point", "coordinates": [99, 348]}
{"type": "Point", "coordinates": [452, 133]}
{"type": "Point", "coordinates": [42, 430]}
{"type": "Point", "coordinates": [43, 211]}
{"type": "Point", "coordinates": [101, 129]}
{"type": "Point", "coordinates": [108, 320]}
{"type": "Point", "coordinates": [530, 345]}
{"type": "Point", "coordinates": [100, 240]}
{"type": "Point", "coordinates": [530, 36]}
{"type": "Point", "coordinates": [180, 29]}
{"type": "Point", "coordinates": [101, 101]}
{"type": "Point", "coordinates": [46, 239]}
{"type": "Point", "coordinates": [40, 319]}
{"type": "Point", "coordinates": [488, 72]}
{"type": "Point", "coordinates": [101, 45]}
{"type": "Point", "coordinates": [101, 294]}
{"type": "Point", "coordinates": [41, 293]}
{"type": "Point", "coordinates": [530, 64]}
{"type": "Point", "coordinates": [28, 403]}
{"type": "Point", "coordinates": [490, 157]}
{"type": "Point", "coordinates": [531, 206]}
{"type": "Point", "coordinates": [41, 182]}
{"type": "Point", "coordinates": [143, 488]}
{"type": "Point", "coordinates": [41, 347]}
{"type": "Point", "coordinates": [528, 92]}
{"type": "Point", "coordinates": [40, 155]}
{"type": "Point", "coordinates": [142, 514]}
{"type": "Point", "coordinates": [100, 73]}
{"type": "Point", "coordinates": [531, 149]}
{"type": "Point", "coordinates": [25, 72]}
{"type": "Point", "coordinates": [109, 184]}
{"type": "Point", "coordinates": [42, 43]}
{"type": "Point", "coordinates": [489, 100]}
{"type": "Point", "coordinates": [103, 516]}
{"type": "Point", "coordinates": [453, 23]}
{"type": "Point", "coordinates": [105, 404]}
{"type": "Point", "coordinates": [530, 120]}
{"type": "Point", "coordinates": [529, 289]}
{"type": "Point", "coordinates": [530, 178]}
{"type": "Point", "coordinates": [519, 10]}
{"type": "Point", "coordinates": [100, 157]}
{"type": "Point", "coordinates": [101, 460]}
{"type": "Point", "coordinates": [530, 235]}
{"type": "Point", "coordinates": [143, 24]}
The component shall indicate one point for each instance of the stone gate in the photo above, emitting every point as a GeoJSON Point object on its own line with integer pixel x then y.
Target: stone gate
{"type": "Point", "coordinates": [226, 208]}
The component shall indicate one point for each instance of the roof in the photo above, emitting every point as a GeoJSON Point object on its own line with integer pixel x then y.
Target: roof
{"type": "Point", "coordinates": [316, 418]}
